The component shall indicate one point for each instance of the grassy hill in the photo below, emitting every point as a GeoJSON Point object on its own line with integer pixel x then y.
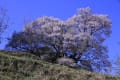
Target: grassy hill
{"type": "Point", "coordinates": [24, 66]}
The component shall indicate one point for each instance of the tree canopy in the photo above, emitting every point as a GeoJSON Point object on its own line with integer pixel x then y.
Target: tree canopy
{"type": "Point", "coordinates": [80, 37]}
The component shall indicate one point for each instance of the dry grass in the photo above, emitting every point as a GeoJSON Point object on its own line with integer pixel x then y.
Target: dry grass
{"type": "Point", "coordinates": [23, 66]}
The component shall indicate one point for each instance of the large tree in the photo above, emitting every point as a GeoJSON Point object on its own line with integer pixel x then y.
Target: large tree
{"type": "Point", "coordinates": [79, 37]}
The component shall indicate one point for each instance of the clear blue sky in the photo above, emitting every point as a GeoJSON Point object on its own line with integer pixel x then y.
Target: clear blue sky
{"type": "Point", "coordinates": [18, 10]}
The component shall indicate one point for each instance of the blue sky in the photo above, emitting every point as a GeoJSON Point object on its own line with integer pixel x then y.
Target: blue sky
{"type": "Point", "coordinates": [20, 10]}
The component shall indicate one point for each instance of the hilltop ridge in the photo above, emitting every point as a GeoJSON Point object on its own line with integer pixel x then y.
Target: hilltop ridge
{"type": "Point", "coordinates": [25, 66]}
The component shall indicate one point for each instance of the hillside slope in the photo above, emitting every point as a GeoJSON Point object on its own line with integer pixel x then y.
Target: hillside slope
{"type": "Point", "coordinates": [23, 66]}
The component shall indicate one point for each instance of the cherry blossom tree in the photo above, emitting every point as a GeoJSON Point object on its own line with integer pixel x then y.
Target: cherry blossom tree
{"type": "Point", "coordinates": [79, 37]}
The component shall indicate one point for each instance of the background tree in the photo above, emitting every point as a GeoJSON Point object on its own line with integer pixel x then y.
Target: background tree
{"type": "Point", "coordinates": [117, 66]}
{"type": "Point", "coordinates": [3, 21]}
{"type": "Point", "coordinates": [80, 37]}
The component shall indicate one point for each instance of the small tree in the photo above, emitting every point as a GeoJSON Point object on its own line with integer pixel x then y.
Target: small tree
{"type": "Point", "coordinates": [79, 37]}
{"type": "Point", "coordinates": [117, 66]}
{"type": "Point", "coordinates": [3, 21]}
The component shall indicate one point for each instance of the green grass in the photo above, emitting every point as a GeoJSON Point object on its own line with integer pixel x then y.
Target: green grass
{"type": "Point", "coordinates": [24, 66]}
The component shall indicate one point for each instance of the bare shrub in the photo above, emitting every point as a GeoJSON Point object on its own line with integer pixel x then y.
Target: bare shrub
{"type": "Point", "coordinates": [67, 62]}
